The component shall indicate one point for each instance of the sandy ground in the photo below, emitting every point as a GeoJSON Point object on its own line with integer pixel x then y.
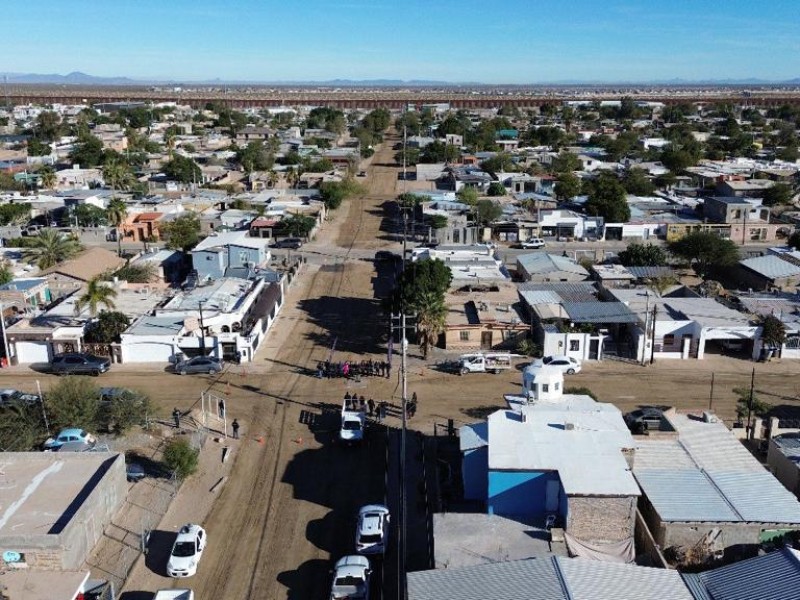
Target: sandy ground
{"type": "Point", "coordinates": [288, 508]}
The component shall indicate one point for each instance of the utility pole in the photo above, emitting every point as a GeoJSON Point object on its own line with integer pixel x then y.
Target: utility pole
{"type": "Point", "coordinates": [402, 324]}
{"type": "Point", "coordinates": [750, 405]}
{"type": "Point", "coordinates": [202, 329]}
{"type": "Point", "coordinates": [646, 325]}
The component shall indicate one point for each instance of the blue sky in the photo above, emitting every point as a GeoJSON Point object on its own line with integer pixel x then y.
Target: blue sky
{"type": "Point", "coordinates": [507, 41]}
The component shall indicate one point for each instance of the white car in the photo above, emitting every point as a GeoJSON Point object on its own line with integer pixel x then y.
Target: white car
{"type": "Point", "coordinates": [351, 578]}
{"type": "Point", "coordinates": [532, 244]}
{"type": "Point", "coordinates": [372, 532]}
{"type": "Point", "coordinates": [186, 551]}
{"type": "Point", "coordinates": [567, 364]}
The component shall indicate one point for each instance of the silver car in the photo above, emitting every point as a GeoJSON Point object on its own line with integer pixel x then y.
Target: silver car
{"type": "Point", "coordinates": [200, 364]}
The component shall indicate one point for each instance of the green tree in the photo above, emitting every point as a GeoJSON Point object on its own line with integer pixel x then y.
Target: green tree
{"type": "Point", "coordinates": [108, 327]}
{"type": "Point", "coordinates": [773, 332]}
{"type": "Point", "coordinates": [37, 147]}
{"type": "Point", "coordinates": [255, 157]}
{"type": "Point", "coordinates": [677, 159]}
{"type": "Point", "coordinates": [637, 183]}
{"type": "Point", "coordinates": [73, 402]}
{"type": "Point", "coordinates": [183, 233]}
{"type": "Point", "coordinates": [87, 152]}
{"type": "Point", "coordinates": [437, 221]}
{"type": "Point", "coordinates": [47, 177]}
{"type": "Point", "coordinates": [567, 186]}
{"type": "Point", "coordinates": [116, 214]}
{"type": "Point", "coordinates": [15, 213]}
{"type": "Point", "coordinates": [496, 189]}
{"type": "Point", "coordinates": [6, 272]}
{"type": "Point", "coordinates": [87, 215]}
{"type": "Point", "coordinates": [117, 174]}
{"type": "Point", "coordinates": [180, 458]}
{"type": "Point", "coordinates": [778, 194]}
{"type": "Point", "coordinates": [21, 427]}
{"type": "Point", "coordinates": [705, 250]}
{"type": "Point", "coordinates": [566, 162]}
{"type": "Point", "coordinates": [418, 279]}
{"type": "Point", "coordinates": [468, 195]}
{"type": "Point", "coordinates": [97, 292]}
{"type": "Point", "coordinates": [123, 411]}
{"type": "Point", "coordinates": [298, 225]}
{"type": "Point", "coordinates": [183, 169]}
{"type": "Point", "coordinates": [487, 211]}
{"type": "Point", "coordinates": [643, 255]}
{"type": "Point", "coordinates": [138, 272]}
{"type": "Point", "coordinates": [431, 312]}
{"type": "Point", "coordinates": [666, 180]}
{"type": "Point", "coordinates": [335, 192]}
{"type": "Point", "coordinates": [749, 404]}
{"type": "Point", "coordinates": [608, 199]}
{"type": "Point", "coordinates": [499, 163]}
{"type": "Point", "coordinates": [48, 125]}
{"type": "Point", "coordinates": [49, 248]}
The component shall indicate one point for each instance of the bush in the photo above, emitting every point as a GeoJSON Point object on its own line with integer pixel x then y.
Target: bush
{"type": "Point", "coordinates": [73, 402]}
{"type": "Point", "coordinates": [581, 391]}
{"type": "Point", "coordinates": [125, 410]}
{"type": "Point", "coordinates": [21, 427]}
{"type": "Point", "coordinates": [529, 348]}
{"type": "Point", "coordinates": [180, 457]}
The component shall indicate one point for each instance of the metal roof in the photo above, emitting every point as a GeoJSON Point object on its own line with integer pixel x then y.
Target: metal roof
{"type": "Point", "coordinates": [684, 495]}
{"type": "Point", "coordinates": [474, 435]}
{"type": "Point", "coordinates": [650, 272]}
{"type": "Point", "coordinates": [513, 580]}
{"type": "Point", "coordinates": [575, 291]}
{"type": "Point", "coordinates": [587, 579]}
{"type": "Point", "coordinates": [774, 576]}
{"type": "Point", "coordinates": [534, 297]}
{"type": "Point", "coordinates": [542, 262]}
{"type": "Point", "coordinates": [771, 267]}
{"type": "Point", "coordinates": [600, 312]}
{"type": "Point", "coordinates": [788, 444]}
{"type": "Point", "coordinates": [758, 497]}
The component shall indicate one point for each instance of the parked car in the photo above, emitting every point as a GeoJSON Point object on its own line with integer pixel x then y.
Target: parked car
{"type": "Point", "coordinates": [532, 244]}
{"type": "Point", "coordinates": [69, 436]}
{"type": "Point", "coordinates": [175, 594]}
{"type": "Point", "coordinates": [372, 532]}
{"type": "Point", "coordinates": [78, 363]}
{"type": "Point", "coordinates": [387, 256]}
{"type": "Point", "coordinates": [134, 472]}
{"type": "Point", "coordinates": [567, 364]}
{"type": "Point", "coordinates": [292, 242]}
{"type": "Point", "coordinates": [186, 551]}
{"type": "Point", "coordinates": [351, 578]}
{"type": "Point", "coordinates": [9, 396]}
{"type": "Point", "coordinates": [647, 418]}
{"type": "Point", "coordinates": [200, 364]}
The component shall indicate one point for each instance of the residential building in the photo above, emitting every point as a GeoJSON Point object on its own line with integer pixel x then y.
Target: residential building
{"type": "Point", "coordinates": [168, 264]}
{"type": "Point", "coordinates": [142, 227]}
{"type": "Point", "coordinates": [73, 274]}
{"type": "Point", "coordinates": [25, 294]}
{"type": "Point", "coordinates": [770, 272]}
{"type": "Point", "coordinates": [484, 317]}
{"type": "Point", "coordinates": [215, 255]}
{"type": "Point", "coordinates": [541, 267]}
{"type": "Point", "coordinates": [701, 480]}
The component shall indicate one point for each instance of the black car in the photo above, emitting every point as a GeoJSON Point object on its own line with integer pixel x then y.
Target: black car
{"type": "Point", "coordinates": [387, 256]}
{"type": "Point", "coordinates": [77, 363]}
{"type": "Point", "coordinates": [293, 243]}
{"type": "Point", "coordinates": [647, 418]}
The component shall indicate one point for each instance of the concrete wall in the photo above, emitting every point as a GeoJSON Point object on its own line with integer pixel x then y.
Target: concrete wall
{"type": "Point", "coordinates": [68, 549]}
{"type": "Point", "coordinates": [785, 470]}
{"type": "Point", "coordinates": [475, 469]}
{"type": "Point", "coordinates": [609, 519]}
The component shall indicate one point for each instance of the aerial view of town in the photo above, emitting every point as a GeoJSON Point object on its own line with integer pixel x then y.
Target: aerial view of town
{"type": "Point", "coordinates": [424, 301]}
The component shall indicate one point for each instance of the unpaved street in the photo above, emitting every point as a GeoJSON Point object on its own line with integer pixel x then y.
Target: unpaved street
{"type": "Point", "coordinates": [288, 508]}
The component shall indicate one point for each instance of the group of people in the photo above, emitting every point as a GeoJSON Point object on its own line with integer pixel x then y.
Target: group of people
{"type": "Point", "coordinates": [378, 410]}
{"type": "Point", "coordinates": [348, 369]}
{"type": "Point", "coordinates": [177, 414]}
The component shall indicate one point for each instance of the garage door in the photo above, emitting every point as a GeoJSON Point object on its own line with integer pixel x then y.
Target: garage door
{"type": "Point", "coordinates": [146, 352]}
{"type": "Point", "coordinates": [33, 352]}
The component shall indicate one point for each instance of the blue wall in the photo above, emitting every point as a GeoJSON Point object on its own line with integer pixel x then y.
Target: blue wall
{"type": "Point", "coordinates": [209, 263]}
{"type": "Point", "coordinates": [475, 467]}
{"type": "Point", "coordinates": [519, 493]}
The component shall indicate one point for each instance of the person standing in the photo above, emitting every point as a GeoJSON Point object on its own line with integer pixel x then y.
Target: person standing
{"type": "Point", "coordinates": [176, 415]}
{"type": "Point", "coordinates": [371, 407]}
{"type": "Point", "coordinates": [221, 408]}
{"type": "Point", "coordinates": [235, 428]}
{"type": "Point", "coordinates": [382, 410]}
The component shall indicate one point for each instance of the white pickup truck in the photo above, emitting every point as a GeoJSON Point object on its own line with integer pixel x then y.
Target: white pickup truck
{"type": "Point", "coordinates": [353, 421]}
{"type": "Point", "coordinates": [480, 362]}
{"type": "Point", "coordinates": [176, 594]}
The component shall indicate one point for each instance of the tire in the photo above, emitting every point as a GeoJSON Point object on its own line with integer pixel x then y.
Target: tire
{"type": "Point", "coordinates": [213, 371]}
{"type": "Point", "coordinates": [463, 372]}
{"type": "Point", "coordinates": [570, 371]}
{"type": "Point", "coordinates": [95, 373]}
{"type": "Point", "coordinates": [182, 372]}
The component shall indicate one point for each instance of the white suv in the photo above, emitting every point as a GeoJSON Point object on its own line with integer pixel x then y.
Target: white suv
{"type": "Point", "coordinates": [372, 532]}
{"type": "Point", "coordinates": [533, 243]}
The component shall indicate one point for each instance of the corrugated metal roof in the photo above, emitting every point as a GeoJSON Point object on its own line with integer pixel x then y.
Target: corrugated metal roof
{"type": "Point", "coordinates": [514, 580]}
{"type": "Point", "coordinates": [684, 495]}
{"type": "Point", "coordinates": [597, 580]}
{"type": "Point", "coordinates": [775, 576]}
{"type": "Point", "coordinates": [542, 262]}
{"type": "Point", "coordinates": [650, 272]}
{"type": "Point", "coordinates": [661, 455]}
{"type": "Point", "coordinates": [758, 497]}
{"type": "Point", "coordinates": [713, 446]}
{"type": "Point", "coordinates": [599, 312]}
{"type": "Point", "coordinates": [788, 444]}
{"type": "Point", "coordinates": [576, 291]}
{"type": "Point", "coordinates": [540, 297]}
{"type": "Point", "coordinates": [771, 267]}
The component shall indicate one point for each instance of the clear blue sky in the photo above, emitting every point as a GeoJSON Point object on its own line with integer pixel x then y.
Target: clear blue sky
{"type": "Point", "coordinates": [504, 41]}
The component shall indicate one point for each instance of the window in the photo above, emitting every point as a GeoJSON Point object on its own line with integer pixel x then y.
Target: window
{"type": "Point", "coordinates": [463, 336]}
{"type": "Point", "coordinates": [545, 388]}
{"type": "Point", "coordinates": [574, 345]}
{"type": "Point", "coordinates": [669, 339]}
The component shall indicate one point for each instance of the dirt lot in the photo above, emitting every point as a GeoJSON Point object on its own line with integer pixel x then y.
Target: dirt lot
{"type": "Point", "coordinates": [288, 507]}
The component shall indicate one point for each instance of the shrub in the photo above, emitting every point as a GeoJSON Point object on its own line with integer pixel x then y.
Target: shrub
{"type": "Point", "coordinates": [581, 391]}
{"type": "Point", "coordinates": [180, 457]}
{"type": "Point", "coordinates": [126, 410]}
{"type": "Point", "coordinates": [73, 402]}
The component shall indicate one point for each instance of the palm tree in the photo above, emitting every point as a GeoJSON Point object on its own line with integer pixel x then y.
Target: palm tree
{"type": "Point", "coordinates": [117, 175]}
{"type": "Point", "coordinates": [48, 178]}
{"type": "Point", "coordinates": [116, 213]}
{"type": "Point", "coordinates": [49, 248]}
{"type": "Point", "coordinates": [97, 292]}
{"type": "Point", "coordinates": [272, 178]}
{"type": "Point", "coordinates": [431, 320]}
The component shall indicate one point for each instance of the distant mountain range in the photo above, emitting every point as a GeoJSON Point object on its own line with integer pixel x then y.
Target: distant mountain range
{"type": "Point", "coordinates": [78, 78]}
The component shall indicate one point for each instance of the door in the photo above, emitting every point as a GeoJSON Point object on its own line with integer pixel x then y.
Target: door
{"type": "Point", "coordinates": [33, 352]}
{"type": "Point", "coordinates": [486, 340]}
{"type": "Point", "coordinates": [551, 495]}
{"type": "Point", "coordinates": [594, 349]}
